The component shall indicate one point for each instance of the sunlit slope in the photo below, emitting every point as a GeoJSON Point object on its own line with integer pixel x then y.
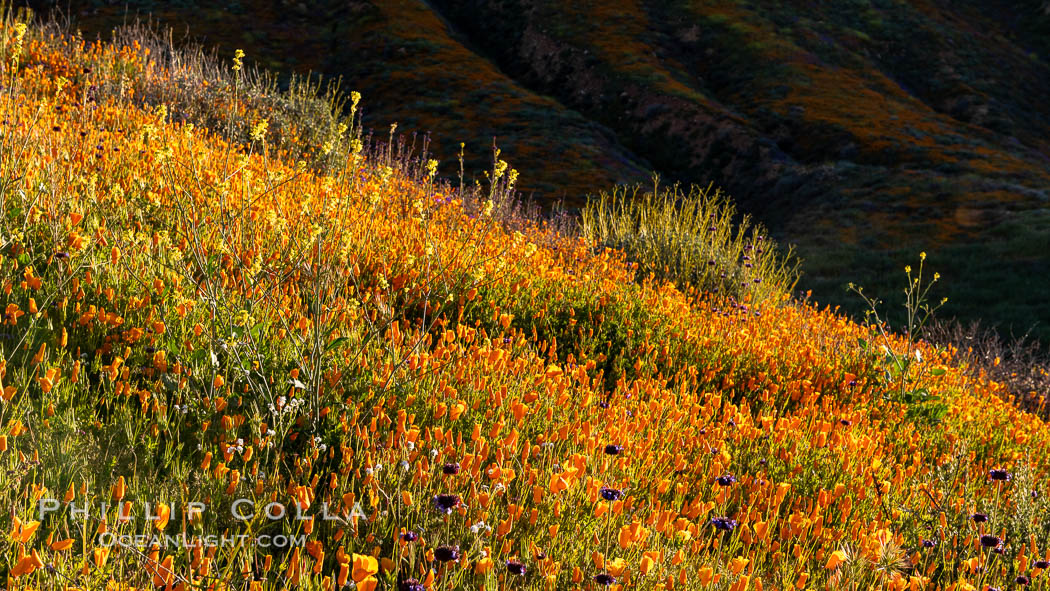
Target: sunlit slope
{"type": "Point", "coordinates": [481, 402]}
{"type": "Point", "coordinates": [861, 132]}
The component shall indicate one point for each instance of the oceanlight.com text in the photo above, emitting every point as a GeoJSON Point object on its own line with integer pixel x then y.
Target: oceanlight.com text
{"type": "Point", "coordinates": [207, 541]}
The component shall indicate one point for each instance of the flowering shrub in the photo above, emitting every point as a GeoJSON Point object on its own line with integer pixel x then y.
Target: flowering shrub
{"type": "Point", "coordinates": [691, 239]}
{"type": "Point", "coordinates": [319, 380]}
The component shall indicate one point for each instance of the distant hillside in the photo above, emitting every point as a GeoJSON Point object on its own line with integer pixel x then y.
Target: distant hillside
{"type": "Point", "coordinates": [861, 131]}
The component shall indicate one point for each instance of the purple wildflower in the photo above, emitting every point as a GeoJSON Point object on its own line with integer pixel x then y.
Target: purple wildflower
{"type": "Point", "coordinates": [410, 585]}
{"type": "Point", "coordinates": [446, 503]}
{"type": "Point", "coordinates": [723, 523]}
{"type": "Point", "coordinates": [446, 553]}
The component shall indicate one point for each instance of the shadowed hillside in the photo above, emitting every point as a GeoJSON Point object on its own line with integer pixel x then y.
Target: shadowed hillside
{"type": "Point", "coordinates": [861, 131]}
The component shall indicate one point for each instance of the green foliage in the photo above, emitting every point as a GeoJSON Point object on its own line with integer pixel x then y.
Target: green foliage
{"type": "Point", "coordinates": [903, 373]}
{"type": "Point", "coordinates": [304, 119]}
{"type": "Point", "coordinates": [692, 239]}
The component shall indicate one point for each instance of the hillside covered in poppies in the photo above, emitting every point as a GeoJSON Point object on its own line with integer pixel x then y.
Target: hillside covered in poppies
{"type": "Point", "coordinates": [863, 132]}
{"type": "Point", "coordinates": [247, 346]}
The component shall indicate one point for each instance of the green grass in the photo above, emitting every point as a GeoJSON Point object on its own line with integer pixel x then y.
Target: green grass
{"type": "Point", "coordinates": [692, 239]}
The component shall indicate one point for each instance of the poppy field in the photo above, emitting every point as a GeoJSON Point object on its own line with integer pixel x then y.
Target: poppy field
{"type": "Point", "coordinates": [243, 355]}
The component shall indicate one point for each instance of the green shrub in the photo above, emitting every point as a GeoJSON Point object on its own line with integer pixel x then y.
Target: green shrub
{"type": "Point", "coordinates": [691, 240]}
